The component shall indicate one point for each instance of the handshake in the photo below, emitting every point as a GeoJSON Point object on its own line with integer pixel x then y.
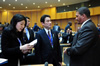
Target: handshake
{"type": "Point", "coordinates": [28, 47]}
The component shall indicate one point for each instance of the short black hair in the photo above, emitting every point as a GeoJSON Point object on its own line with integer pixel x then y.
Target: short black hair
{"type": "Point", "coordinates": [43, 18]}
{"type": "Point", "coordinates": [70, 23]}
{"type": "Point", "coordinates": [84, 10]}
{"type": "Point", "coordinates": [27, 17]}
{"type": "Point", "coordinates": [35, 23]}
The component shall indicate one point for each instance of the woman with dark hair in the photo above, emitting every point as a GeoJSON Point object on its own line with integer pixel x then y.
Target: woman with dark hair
{"type": "Point", "coordinates": [12, 41]}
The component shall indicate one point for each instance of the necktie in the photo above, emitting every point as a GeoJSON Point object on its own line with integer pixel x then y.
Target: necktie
{"type": "Point", "coordinates": [49, 34]}
{"type": "Point", "coordinates": [50, 39]}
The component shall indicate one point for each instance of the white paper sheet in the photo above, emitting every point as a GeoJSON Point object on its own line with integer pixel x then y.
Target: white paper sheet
{"type": "Point", "coordinates": [2, 60]}
{"type": "Point", "coordinates": [34, 42]}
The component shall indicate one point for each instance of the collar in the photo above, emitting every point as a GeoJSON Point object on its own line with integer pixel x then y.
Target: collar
{"type": "Point", "coordinates": [47, 31]}
{"type": "Point", "coordinates": [25, 27]}
{"type": "Point", "coordinates": [85, 22]}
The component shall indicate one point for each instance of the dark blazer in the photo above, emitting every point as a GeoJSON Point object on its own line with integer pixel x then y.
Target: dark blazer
{"type": "Point", "coordinates": [29, 57]}
{"type": "Point", "coordinates": [56, 28]}
{"type": "Point", "coordinates": [85, 50]}
{"type": "Point", "coordinates": [10, 47]}
{"type": "Point", "coordinates": [44, 51]}
{"type": "Point", "coordinates": [68, 26]}
{"type": "Point", "coordinates": [36, 28]}
{"type": "Point", "coordinates": [98, 31]}
{"type": "Point", "coordinates": [31, 36]}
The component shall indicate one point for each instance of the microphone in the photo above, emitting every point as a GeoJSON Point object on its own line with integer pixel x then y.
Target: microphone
{"type": "Point", "coordinates": [46, 64]}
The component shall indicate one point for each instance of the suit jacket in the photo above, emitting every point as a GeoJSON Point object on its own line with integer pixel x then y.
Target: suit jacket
{"type": "Point", "coordinates": [68, 26]}
{"type": "Point", "coordinates": [85, 49]}
{"type": "Point", "coordinates": [56, 28]}
{"type": "Point", "coordinates": [44, 51]}
{"type": "Point", "coordinates": [31, 33]}
{"type": "Point", "coordinates": [36, 28]}
{"type": "Point", "coordinates": [10, 47]}
{"type": "Point", "coordinates": [29, 57]}
{"type": "Point", "coordinates": [98, 31]}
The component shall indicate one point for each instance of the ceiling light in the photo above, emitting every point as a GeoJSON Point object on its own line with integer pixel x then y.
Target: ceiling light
{"type": "Point", "coordinates": [21, 3]}
{"type": "Point", "coordinates": [3, 0]}
{"type": "Point", "coordinates": [89, 4]}
{"type": "Point", "coordinates": [63, 3]}
{"type": "Point", "coordinates": [15, 0]}
{"type": "Point", "coordinates": [0, 7]}
{"type": "Point", "coordinates": [67, 5]}
{"type": "Point", "coordinates": [9, 4]}
{"type": "Point", "coordinates": [38, 6]}
{"type": "Point", "coordinates": [26, 7]}
{"type": "Point", "coordinates": [33, 3]}
{"type": "Point", "coordinates": [13, 7]}
{"type": "Point", "coordinates": [64, 9]}
{"type": "Point", "coordinates": [46, 2]}
{"type": "Point", "coordinates": [50, 5]}
{"type": "Point", "coordinates": [76, 7]}
{"type": "Point", "coordinates": [58, 0]}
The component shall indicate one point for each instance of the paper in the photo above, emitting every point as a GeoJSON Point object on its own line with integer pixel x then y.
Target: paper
{"type": "Point", "coordinates": [2, 61]}
{"type": "Point", "coordinates": [34, 42]}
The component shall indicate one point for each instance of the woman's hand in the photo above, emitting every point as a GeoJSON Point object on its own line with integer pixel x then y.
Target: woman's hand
{"type": "Point", "coordinates": [26, 48]}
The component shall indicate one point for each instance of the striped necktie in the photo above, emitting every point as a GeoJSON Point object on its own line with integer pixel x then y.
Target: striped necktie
{"type": "Point", "coordinates": [50, 39]}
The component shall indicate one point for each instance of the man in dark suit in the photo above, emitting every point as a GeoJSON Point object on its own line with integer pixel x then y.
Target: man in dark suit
{"type": "Point", "coordinates": [56, 27]}
{"type": "Point", "coordinates": [68, 26]}
{"type": "Point", "coordinates": [85, 50]}
{"type": "Point", "coordinates": [36, 27]}
{"type": "Point", "coordinates": [28, 33]}
{"type": "Point", "coordinates": [28, 37]}
{"type": "Point", "coordinates": [48, 47]}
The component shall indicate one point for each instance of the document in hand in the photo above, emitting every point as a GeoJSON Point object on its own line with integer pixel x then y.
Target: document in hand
{"type": "Point", "coordinates": [34, 42]}
{"type": "Point", "coordinates": [3, 61]}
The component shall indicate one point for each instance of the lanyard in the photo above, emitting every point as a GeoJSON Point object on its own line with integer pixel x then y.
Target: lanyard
{"type": "Point", "coordinates": [51, 39]}
{"type": "Point", "coordinates": [19, 41]}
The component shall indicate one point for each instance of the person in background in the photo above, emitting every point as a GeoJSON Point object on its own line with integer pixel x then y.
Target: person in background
{"type": "Point", "coordinates": [1, 30]}
{"type": "Point", "coordinates": [12, 41]}
{"type": "Point", "coordinates": [67, 37]}
{"type": "Point", "coordinates": [56, 27]}
{"type": "Point", "coordinates": [28, 37]}
{"type": "Point", "coordinates": [85, 49]}
{"type": "Point", "coordinates": [68, 26]}
{"type": "Point", "coordinates": [36, 27]}
{"type": "Point", "coordinates": [6, 25]}
{"type": "Point", "coordinates": [48, 47]}
{"type": "Point", "coordinates": [28, 33]}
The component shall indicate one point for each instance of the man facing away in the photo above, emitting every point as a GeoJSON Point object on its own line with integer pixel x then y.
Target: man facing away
{"type": "Point", "coordinates": [48, 48]}
{"type": "Point", "coordinates": [56, 27]}
{"type": "Point", "coordinates": [85, 50]}
{"type": "Point", "coordinates": [36, 27]}
{"type": "Point", "coordinates": [68, 26]}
